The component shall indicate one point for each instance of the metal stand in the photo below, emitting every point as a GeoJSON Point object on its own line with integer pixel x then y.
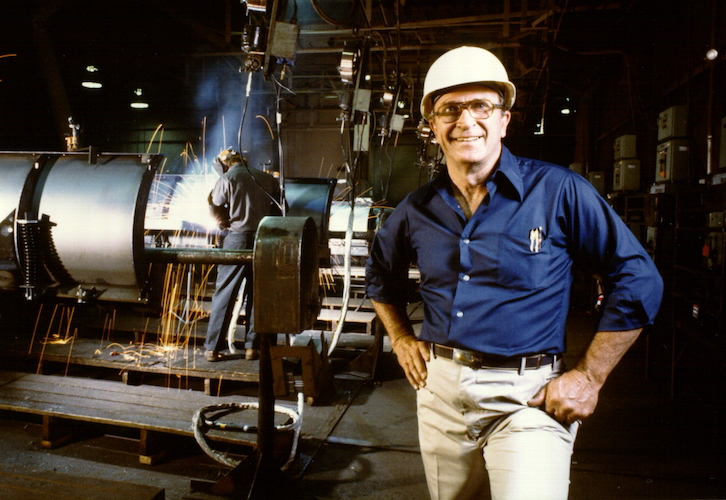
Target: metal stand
{"type": "Point", "coordinates": [257, 477]}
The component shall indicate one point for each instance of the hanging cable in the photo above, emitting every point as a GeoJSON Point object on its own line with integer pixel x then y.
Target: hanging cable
{"type": "Point", "coordinates": [278, 123]}
{"type": "Point", "coordinates": [244, 111]}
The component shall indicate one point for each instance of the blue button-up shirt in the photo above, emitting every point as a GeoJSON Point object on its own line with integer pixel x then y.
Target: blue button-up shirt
{"type": "Point", "coordinates": [500, 282]}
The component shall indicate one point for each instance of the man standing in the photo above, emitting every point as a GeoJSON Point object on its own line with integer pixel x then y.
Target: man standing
{"type": "Point", "coordinates": [240, 199]}
{"type": "Point", "coordinates": [494, 238]}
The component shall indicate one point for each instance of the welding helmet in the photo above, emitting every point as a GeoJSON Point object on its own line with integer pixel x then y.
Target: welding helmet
{"type": "Point", "coordinates": [465, 66]}
{"type": "Point", "coordinates": [227, 158]}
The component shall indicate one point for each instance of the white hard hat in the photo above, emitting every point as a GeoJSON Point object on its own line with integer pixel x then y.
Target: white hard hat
{"type": "Point", "coordinates": [463, 66]}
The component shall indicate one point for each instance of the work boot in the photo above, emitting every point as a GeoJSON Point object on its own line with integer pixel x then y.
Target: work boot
{"type": "Point", "coordinates": [212, 356]}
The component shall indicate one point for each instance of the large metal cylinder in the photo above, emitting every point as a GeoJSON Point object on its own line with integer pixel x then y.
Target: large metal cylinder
{"type": "Point", "coordinates": [91, 208]}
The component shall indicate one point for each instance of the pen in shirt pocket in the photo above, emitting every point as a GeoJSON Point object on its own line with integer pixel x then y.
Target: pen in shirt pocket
{"type": "Point", "coordinates": [535, 239]}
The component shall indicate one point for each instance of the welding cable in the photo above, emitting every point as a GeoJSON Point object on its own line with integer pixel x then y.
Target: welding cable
{"type": "Point", "coordinates": [346, 280]}
{"type": "Point", "coordinates": [200, 422]}
{"type": "Point", "coordinates": [244, 112]}
{"type": "Point", "coordinates": [277, 203]}
{"type": "Point", "coordinates": [231, 330]}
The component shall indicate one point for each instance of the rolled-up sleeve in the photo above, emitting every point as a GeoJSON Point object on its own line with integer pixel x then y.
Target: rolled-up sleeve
{"type": "Point", "coordinates": [633, 285]}
{"type": "Point", "coordinates": [389, 260]}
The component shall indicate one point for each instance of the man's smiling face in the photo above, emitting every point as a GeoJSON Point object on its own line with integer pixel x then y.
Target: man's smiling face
{"type": "Point", "coordinates": [470, 142]}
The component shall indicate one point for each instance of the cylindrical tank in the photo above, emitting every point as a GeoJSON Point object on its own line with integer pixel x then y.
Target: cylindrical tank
{"type": "Point", "coordinates": [90, 209]}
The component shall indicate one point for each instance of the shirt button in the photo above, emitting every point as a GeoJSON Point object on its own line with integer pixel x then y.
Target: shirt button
{"type": "Point", "coordinates": [466, 277]}
{"type": "Point", "coordinates": [460, 314]}
{"type": "Point", "coordinates": [466, 241]}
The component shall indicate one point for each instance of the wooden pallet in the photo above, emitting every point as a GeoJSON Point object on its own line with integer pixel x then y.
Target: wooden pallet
{"type": "Point", "coordinates": [155, 411]}
{"type": "Point", "coordinates": [22, 483]}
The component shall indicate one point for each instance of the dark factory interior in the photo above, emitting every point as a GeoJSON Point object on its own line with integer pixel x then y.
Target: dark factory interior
{"type": "Point", "coordinates": [113, 113]}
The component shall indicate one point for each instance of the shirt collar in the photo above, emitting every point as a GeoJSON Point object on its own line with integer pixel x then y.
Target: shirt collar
{"type": "Point", "coordinates": [507, 172]}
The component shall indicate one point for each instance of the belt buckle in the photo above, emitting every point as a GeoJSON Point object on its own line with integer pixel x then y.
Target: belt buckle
{"type": "Point", "coordinates": [467, 358]}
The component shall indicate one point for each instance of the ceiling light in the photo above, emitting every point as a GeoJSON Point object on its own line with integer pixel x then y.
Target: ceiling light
{"type": "Point", "coordinates": [139, 105]}
{"type": "Point", "coordinates": [92, 85]}
{"type": "Point", "coordinates": [91, 68]}
{"type": "Point", "coordinates": [138, 92]}
{"type": "Point", "coordinates": [565, 111]}
{"type": "Point", "coordinates": [712, 54]}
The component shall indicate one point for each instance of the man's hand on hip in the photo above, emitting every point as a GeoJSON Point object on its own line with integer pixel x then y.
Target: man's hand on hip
{"type": "Point", "coordinates": [412, 355]}
{"type": "Point", "coordinates": [568, 398]}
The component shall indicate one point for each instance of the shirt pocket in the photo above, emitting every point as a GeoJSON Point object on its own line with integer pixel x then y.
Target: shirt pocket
{"type": "Point", "coordinates": [519, 266]}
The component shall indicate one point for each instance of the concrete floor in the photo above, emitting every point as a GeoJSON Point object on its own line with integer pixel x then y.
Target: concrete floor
{"type": "Point", "coordinates": [640, 444]}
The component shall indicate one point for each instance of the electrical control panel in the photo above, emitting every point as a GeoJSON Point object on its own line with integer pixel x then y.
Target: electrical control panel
{"type": "Point", "coordinates": [577, 168]}
{"type": "Point", "coordinates": [673, 122]}
{"type": "Point", "coordinates": [597, 179]}
{"type": "Point", "coordinates": [624, 147]}
{"type": "Point", "coordinates": [672, 161]}
{"type": "Point", "coordinates": [626, 175]}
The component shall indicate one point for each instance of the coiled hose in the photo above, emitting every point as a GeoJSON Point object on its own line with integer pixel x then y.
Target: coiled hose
{"type": "Point", "coordinates": [199, 422]}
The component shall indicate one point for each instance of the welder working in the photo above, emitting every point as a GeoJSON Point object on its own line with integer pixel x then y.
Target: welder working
{"type": "Point", "coordinates": [241, 197]}
{"type": "Point", "coordinates": [494, 237]}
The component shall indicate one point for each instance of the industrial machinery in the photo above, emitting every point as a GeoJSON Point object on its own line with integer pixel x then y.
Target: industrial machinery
{"type": "Point", "coordinates": [74, 227]}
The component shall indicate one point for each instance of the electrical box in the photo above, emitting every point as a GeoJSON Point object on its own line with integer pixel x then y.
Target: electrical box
{"type": "Point", "coordinates": [626, 175]}
{"type": "Point", "coordinates": [597, 179]}
{"type": "Point", "coordinates": [397, 122]}
{"type": "Point", "coordinates": [576, 167]}
{"type": "Point", "coordinates": [361, 137]}
{"type": "Point", "coordinates": [362, 100]}
{"type": "Point", "coordinates": [715, 219]}
{"type": "Point", "coordinates": [671, 163]}
{"type": "Point", "coordinates": [673, 122]}
{"type": "Point", "coordinates": [624, 147]}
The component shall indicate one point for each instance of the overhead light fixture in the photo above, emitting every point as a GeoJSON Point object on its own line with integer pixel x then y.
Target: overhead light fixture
{"type": "Point", "coordinates": [565, 111]}
{"type": "Point", "coordinates": [91, 68]}
{"type": "Point", "coordinates": [712, 54]}
{"type": "Point", "coordinates": [139, 105]}
{"type": "Point", "coordinates": [92, 85]}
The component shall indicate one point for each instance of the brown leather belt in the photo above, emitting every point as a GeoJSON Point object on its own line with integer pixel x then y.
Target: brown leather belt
{"type": "Point", "coordinates": [476, 360]}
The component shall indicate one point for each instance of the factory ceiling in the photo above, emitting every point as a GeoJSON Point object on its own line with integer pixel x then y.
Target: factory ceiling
{"type": "Point", "coordinates": [554, 49]}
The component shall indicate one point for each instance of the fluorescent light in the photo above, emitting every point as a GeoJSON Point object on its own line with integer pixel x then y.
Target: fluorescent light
{"type": "Point", "coordinates": [139, 105]}
{"type": "Point", "coordinates": [92, 85]}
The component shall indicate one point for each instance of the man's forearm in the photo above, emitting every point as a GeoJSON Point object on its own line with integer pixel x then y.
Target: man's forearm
{"type": "Point", "coordinates": [605, 352]}
{"type": "Point", "coordinates": [412, 355]}
{"type": "Point", "coordinates": [394, 319]}
{"type": "Point", "coordinates": [574, 394]}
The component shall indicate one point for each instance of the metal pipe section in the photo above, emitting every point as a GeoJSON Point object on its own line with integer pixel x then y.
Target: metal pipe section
{"type": "Point", "coordinates": [199, 256]}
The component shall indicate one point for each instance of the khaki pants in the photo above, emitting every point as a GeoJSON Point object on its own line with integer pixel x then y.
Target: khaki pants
{"type": "Point", "coordinates": [474, 422]}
